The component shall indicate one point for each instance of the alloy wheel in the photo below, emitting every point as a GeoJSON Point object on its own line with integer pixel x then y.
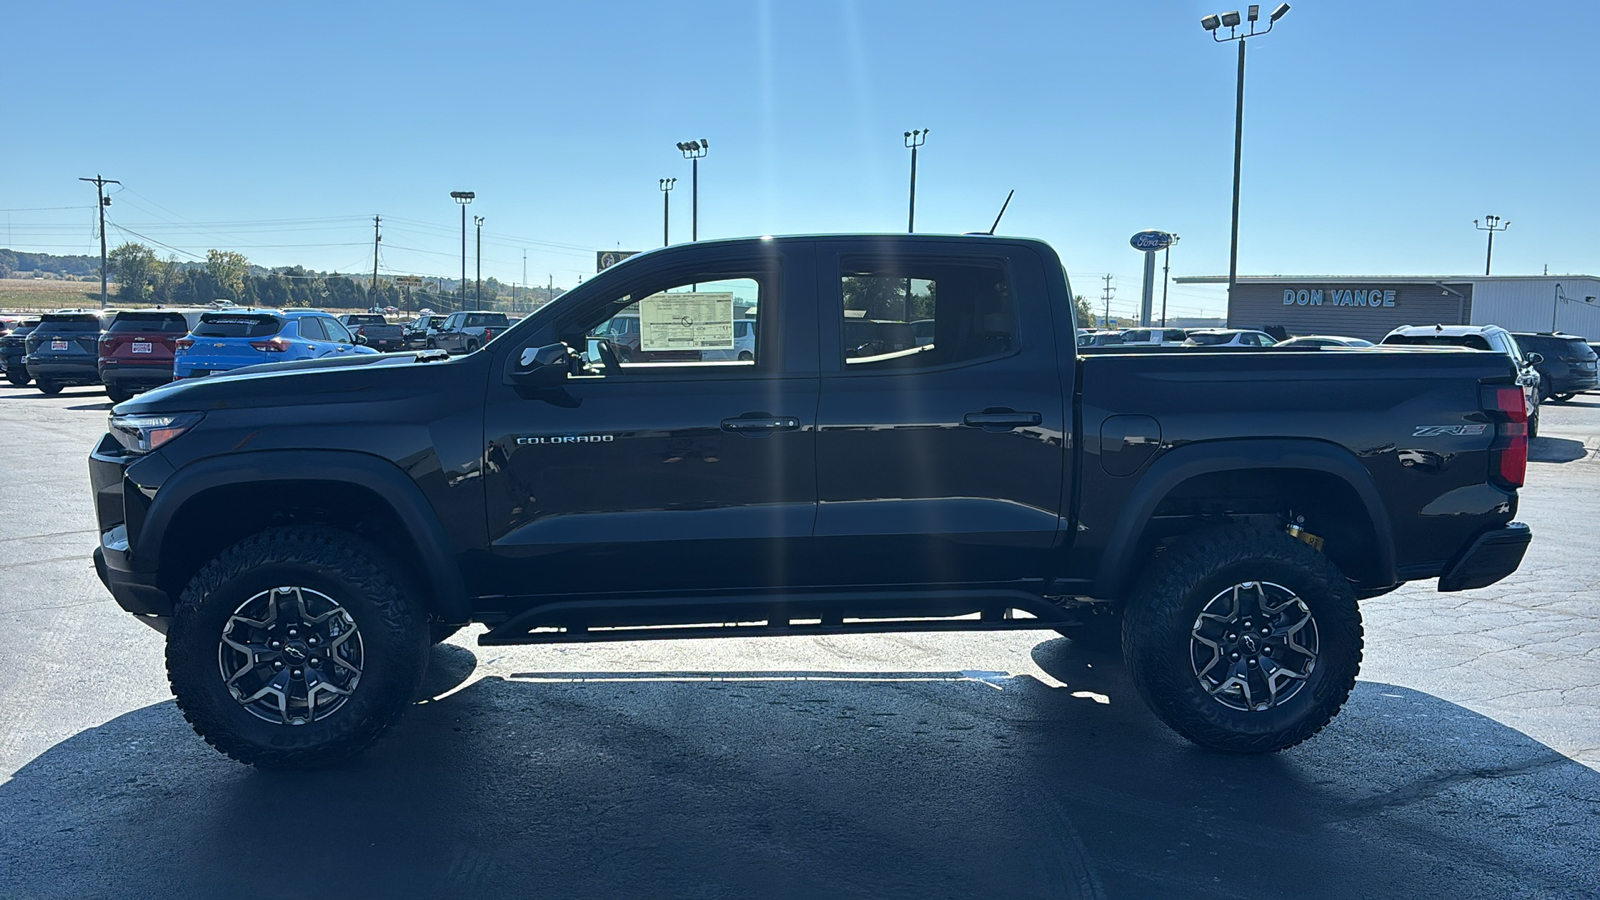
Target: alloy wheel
{"type": "Point", "coordinates": [1253, 646]}
{"type": "Point", "coordinates": [290, 655]}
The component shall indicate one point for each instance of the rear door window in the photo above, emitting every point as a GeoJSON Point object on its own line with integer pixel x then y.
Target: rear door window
{"type": "Point", "coordinates": [311, 329]}
{"type": "Point", "coordinates": [233, 325]}
{"type": "Point", "coordinates": [900, 313]}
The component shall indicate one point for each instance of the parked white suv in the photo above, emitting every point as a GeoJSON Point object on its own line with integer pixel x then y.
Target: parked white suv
{"type": "Point", "coordinates": [1155, 337]}
{"type": "Point", "coordinates": [1229, 337]}
{"type": "Point", "coordinates": [1478, 337]}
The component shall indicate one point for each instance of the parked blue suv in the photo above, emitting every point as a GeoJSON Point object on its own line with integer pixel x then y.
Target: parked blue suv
{"type": "Point", "coordinates": [249, 337]}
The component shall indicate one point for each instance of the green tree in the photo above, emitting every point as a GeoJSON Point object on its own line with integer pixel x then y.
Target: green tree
{"type": "Point", "coordinates": [135, 269]}
{"type": "Point", "coordinates": [1085, 311]}
{"type": "Point", "coordinates": [228, 271]}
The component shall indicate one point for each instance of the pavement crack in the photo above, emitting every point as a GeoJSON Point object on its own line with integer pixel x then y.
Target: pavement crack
{"type": "Point", "coordinates": [1427, 788]}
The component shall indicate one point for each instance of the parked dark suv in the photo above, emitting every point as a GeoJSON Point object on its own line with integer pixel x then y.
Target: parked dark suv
{"type": "Point", "coordinates": [1568, 367]}
{"type": "Point", "coordinates": [64, 350]}
{"type": "Point", "coordinates": [14, 351]}
{"type": "Point", "coordinates": [136, 350]}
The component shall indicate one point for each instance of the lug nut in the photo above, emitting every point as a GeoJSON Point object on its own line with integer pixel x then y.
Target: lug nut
{"type": "Point", "coordinates": [1232, 636]}
{"type": "Point", "coordinates": [1266, 631]}
{"type": "Point", "coordinates": [1267, 650]}
{"type": "Point", "coordinates": [1252, 661]}
{"type": "Point", "coordinates": [295, 632]}
{"type": "Point", "coordinates": [315, 661]}
{"type": "Point", "coordinates": [277, 665]}
{"type": "Point", "coordinates": [297, 673]}
{"type": "Point", "coordinates": [312, 640]}
{"type": "Point", "coordinates": [276, 645]}
{"type": "Point", "coordinates": [1234, 656]}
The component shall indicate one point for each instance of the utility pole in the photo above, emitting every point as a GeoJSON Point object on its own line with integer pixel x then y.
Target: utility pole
{"type": "Point", "coordinates": [914, 139]}
{"type": "Point", "coordinates": [1166, 265]}
{"type": "Point", "coordinates": [1109, 290]}
{"type": "Point", "coordinates": [524, 283]}
{"type": "Point", "coordinates": [550, 292]}
{"type": "Point", "coordinates": [1491, 225]}
{"type": "Point", "coordinates": [376, 237]}
{"type": "Point", "coordinates": [100, 191]}
{"type": "Point", "coordinates": [478, 298]}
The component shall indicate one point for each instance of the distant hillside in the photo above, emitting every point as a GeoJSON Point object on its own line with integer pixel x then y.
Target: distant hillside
{"type": "Point", "coordinates": [17, 262]}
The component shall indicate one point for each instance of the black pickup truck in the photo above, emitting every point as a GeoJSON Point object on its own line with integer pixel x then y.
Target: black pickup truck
{"type": "Point", "coordinates": [301, 531]}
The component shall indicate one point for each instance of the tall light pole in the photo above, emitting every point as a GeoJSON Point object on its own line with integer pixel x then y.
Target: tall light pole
{"type": "Point", "coordinates": [1166, 265]}
{"type": "Point", "coordinates": [914, 139]}
{"type": "Point", "coordinates": [1492, 224]}
{"type": "Point", "coordinates": [463, 198]}
{"type": "Point", "coordinates": [696, 151]}
{"type": "Point", "coordinates": [1230, 20]}
{"type": "Point", "coordinates": [666, 210]}
{"type": "Point", "coordinates": [478, 296]}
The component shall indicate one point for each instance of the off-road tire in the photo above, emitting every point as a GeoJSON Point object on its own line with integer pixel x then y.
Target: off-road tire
{"type": "Point", "coordinates": [1563, 397]}
{"type": "Point", "coordinates": [472, 346]}
{"type": "Point", "coordinates": [351, 571]}
{"type": "Point", "coordinates": [20, 379]}
{"type": "Point", "coordinates": [118, 395]}
{"type": "Point", "coordinates": [1166, 606]}
{"type": "Point", "coordinates": [49, 388]}
{"type": "Point", "coordinates": [1533, 424]}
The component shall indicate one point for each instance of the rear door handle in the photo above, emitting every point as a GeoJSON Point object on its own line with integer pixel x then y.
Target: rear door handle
{"type": "Point", "coordinates": [1001, 419]}
{"type": "Point", "coordinates": [760, 424]}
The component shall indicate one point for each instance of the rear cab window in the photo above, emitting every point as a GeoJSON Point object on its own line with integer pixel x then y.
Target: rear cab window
{"type": "Point", "coordinates": [918, 313]}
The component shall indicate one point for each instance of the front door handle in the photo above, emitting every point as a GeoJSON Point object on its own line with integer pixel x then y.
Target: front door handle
{"type": "Point", "coordinates": [998, 419]}
{"type": "Point", "coordinates": [760, 424]}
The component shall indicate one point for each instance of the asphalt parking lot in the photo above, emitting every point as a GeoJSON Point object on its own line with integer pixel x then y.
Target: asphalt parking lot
{"type": "Point", "coordinates": [1467, 763]}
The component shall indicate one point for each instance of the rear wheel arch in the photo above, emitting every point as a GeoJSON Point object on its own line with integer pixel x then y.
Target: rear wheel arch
{"type": "Point", "coordinates": [1321, 481]}
{"type": "Point", "coordinates": [208, 506]}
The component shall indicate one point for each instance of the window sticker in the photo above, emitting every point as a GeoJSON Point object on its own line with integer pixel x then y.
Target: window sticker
{"type": "Point", "coordinates": [686, 321]}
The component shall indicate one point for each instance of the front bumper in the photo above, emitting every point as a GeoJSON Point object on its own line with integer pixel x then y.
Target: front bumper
{"type": "Point", "coordinates": [1491, 556]}
{"type": "Point", "coordinates": [134, 590]}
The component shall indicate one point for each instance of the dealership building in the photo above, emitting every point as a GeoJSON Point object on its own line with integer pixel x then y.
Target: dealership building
{"type": "Point", "coordinates": [1370, 307]}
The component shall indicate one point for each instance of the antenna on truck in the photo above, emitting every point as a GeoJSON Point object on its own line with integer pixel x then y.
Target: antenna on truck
{"type": "Point", "coordinates": [1002, 211]}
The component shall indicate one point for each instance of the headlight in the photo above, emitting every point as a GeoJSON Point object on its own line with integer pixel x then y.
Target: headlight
{"type": "Point", "coordinates": [144, 433]}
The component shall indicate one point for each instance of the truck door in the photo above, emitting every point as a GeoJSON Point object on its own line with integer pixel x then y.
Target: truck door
{"type": "Point", "coordinates": [660, 476]}
{"type": "Point", "coordinates": [939, 458]}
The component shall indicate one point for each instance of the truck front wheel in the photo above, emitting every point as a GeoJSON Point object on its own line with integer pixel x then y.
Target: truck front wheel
{"type": "Point", "coordinates": [1244, 639]}
{"type": "Point", "coordinates": [295, 647]}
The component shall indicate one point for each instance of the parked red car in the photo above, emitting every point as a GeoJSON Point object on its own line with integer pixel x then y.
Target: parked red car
{"type": "Point", "coordinates": [136, 350]}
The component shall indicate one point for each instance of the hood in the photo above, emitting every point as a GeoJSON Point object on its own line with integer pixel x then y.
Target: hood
{"type": "Point", "coordinates": [269, 384]}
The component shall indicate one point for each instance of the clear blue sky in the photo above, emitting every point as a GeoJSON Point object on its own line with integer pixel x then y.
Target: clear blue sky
{"type": "Point", "coordinates": [1375, 132]}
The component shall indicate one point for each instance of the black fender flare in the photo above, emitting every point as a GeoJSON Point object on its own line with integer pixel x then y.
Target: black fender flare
{"type": "Point", "coordinates": [1204, 458]}
{"type": "Point", "coordinates": [374, 473]}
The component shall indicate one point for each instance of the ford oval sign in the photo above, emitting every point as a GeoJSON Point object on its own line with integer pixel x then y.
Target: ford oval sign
{"type": "Point", "coordinates": [1150, 241]}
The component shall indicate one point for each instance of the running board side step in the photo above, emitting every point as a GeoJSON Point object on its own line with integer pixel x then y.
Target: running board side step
{"type": "Point", "coordinates": [868, 613]}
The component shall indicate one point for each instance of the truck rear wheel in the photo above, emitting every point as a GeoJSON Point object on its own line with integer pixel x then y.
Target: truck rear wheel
{"type": "Point", "coordinates": [296, 647]}
{"type": "Point", "coordinates": [1244, 639]}
{"type": "Point", "coordinates": [18, 378]}
{"type": "Point", "coordinates": [50, 388]}
{"type": "Point", "coordinates": [117, 394]}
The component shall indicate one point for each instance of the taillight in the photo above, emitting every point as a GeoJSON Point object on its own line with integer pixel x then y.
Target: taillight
{"type": "Point", "coordinates": [1508, 454]}
{"type": "Point", "coordinates": [488, 335]}
{"type": "Point", "coordinates": [275, 345]}
{"type": "Point", "coordinates": [183, 343]}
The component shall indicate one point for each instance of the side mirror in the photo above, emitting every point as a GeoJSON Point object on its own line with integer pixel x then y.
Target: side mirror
{"type": "Point", "coordinates": [361, 339]}
{"type": "Point", "coordinates": [1535, 358]}
{"type": "Point", "coordinates": [544, 366]}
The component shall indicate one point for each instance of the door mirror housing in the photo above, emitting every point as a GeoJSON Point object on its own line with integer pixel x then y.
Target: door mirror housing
{"type": "Point", "coordinates": [360, 339]}
{"type": "Point", "coordinates": [545, 366]}
{"type": "Point", "coordinates": [1535, 358]}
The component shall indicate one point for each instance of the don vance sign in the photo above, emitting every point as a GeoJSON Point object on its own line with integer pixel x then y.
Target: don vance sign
{"type": "Point", "coordinates": [1338, 297]}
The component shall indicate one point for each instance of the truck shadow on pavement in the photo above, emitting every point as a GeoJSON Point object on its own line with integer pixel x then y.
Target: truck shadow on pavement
{"type": "Point", "coordinates": [811, 784]}
{"type": "Point", "coordinates": [1556, 450]}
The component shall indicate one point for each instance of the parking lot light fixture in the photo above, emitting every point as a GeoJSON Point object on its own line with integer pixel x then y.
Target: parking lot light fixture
{"type": "Point", "coordinates": [1211, 24]}
{"type": "Point", "coordinates": [463, 198]}
{"type": "Point", "coordinates": [694, 151]}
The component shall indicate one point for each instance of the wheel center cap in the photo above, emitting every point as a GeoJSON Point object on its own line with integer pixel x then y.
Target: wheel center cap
{"type": "Point", "coordinates": [295, 651]}
{"type": "Point", "coordinates": [1249, 643]}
